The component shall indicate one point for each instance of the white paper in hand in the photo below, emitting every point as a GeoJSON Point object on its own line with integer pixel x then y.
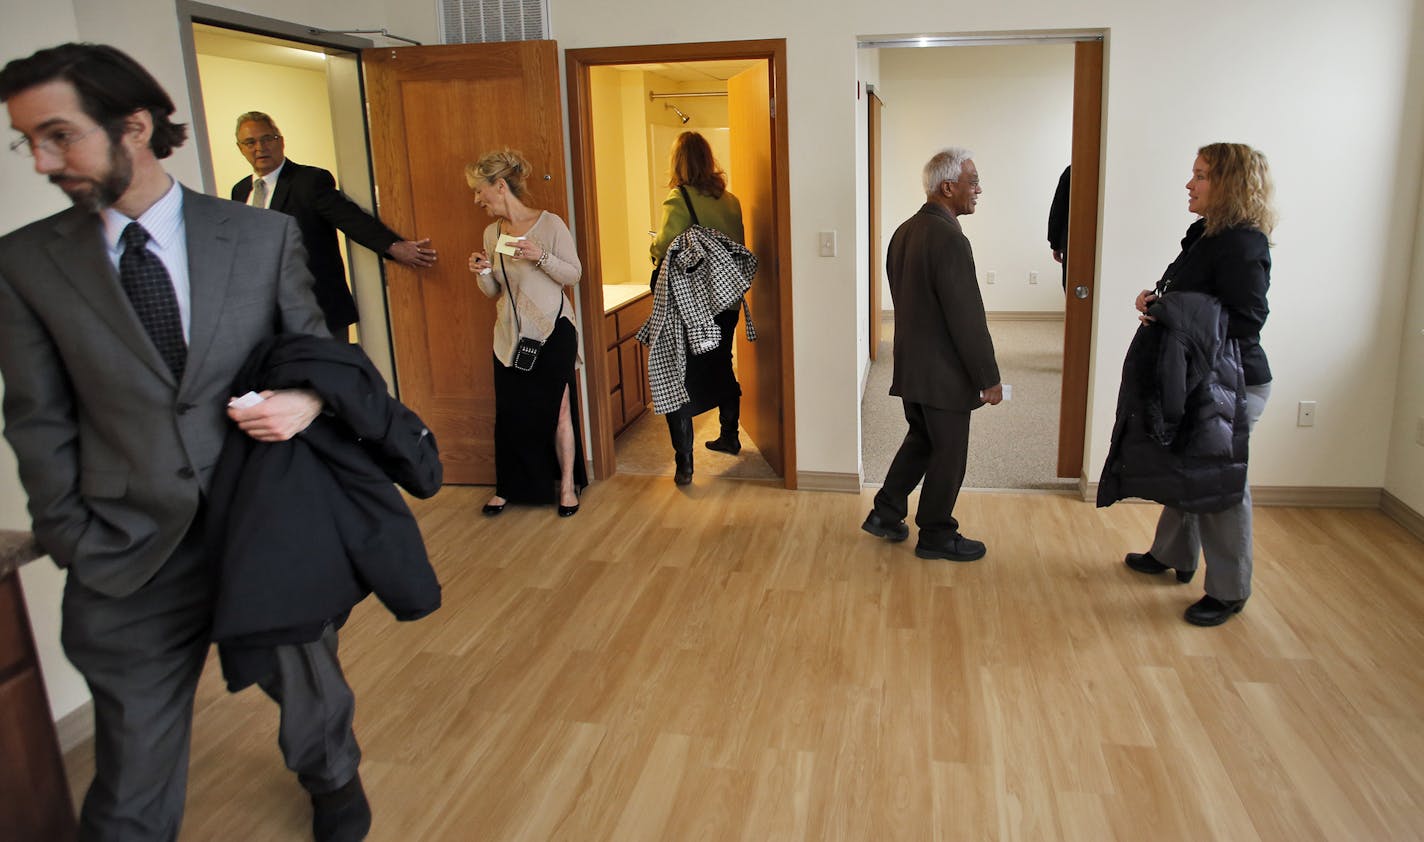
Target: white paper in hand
{"type": "Point", "coordinates": [245, 401]}
{"type": "Point", "coordinates": [505, 244]}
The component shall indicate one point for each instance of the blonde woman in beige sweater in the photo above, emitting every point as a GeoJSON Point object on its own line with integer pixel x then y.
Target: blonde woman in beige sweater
{"type": "Point", "coordinates": [538, 449]}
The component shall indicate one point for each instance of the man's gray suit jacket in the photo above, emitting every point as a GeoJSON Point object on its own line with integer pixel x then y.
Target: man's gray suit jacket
{"type": "Point", "coordinates": [944, 355]}
{"type": "Point", "coordinates": [113, 452]}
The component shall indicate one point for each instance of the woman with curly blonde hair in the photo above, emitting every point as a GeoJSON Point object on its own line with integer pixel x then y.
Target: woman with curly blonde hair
{"type": "Point", "coordinates": [538, 452]}
{"type": "Point", "coordinates": [1226, 254]}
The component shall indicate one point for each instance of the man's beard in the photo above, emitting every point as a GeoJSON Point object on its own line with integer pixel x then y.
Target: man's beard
{"type": "Point", "coordinates": [96, 194]}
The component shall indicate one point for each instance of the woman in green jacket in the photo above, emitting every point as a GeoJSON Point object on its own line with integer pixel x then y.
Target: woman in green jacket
{"type": "Point", "coordinates": [697, 179]}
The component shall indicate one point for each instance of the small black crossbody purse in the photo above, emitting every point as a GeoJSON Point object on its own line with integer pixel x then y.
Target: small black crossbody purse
{"type": "Point", "coordinates": [526, 350]}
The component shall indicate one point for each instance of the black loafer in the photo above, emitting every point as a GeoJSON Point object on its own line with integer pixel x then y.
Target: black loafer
{"type": "Point", "coordinates": [1210, 611]}
{"type": "Point", "coordinates": [343, 815]}
{"type": "Point", "coordinates": [490, 509]}
{"type": "Point", "coordinates": [882, 528]}
{"type": "Point", "coordinates": [957, 548]}
{"type": "Point", "coordinates": [1146, 563]}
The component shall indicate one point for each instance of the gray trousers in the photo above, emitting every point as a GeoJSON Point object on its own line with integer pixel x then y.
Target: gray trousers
{"type": "Point", "coordinates": [141, 655]}
{"type": "Point", "coordinates": [1223, 537]}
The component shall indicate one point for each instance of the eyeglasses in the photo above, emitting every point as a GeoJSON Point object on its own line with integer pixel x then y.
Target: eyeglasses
{"type": "Point", "coordinates": [265, 140]}
{"type": "Point", "coordinates": [55, 142]}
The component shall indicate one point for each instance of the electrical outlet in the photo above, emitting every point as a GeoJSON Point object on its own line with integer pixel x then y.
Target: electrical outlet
{"type": "Point", "coordinates": [828, 244]}
{"type": "Point", "coordinates": [1305, 414]}
{"type": "Point", "coordinates": [989, 276]}
{"type": "Point", "coordinates": [1033, 277]}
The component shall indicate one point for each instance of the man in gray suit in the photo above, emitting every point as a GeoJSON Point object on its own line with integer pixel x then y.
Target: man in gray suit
{"type": "Point", "coordinates": [944, 361]}
{"type": "Point", "coordinates": [123, 321]}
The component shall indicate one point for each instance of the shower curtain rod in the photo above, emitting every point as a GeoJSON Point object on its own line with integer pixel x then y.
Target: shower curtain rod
{"type": "Point", "coordinates": [652, 95]}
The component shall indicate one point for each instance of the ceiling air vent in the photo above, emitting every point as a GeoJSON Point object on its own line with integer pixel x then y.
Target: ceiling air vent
{"type": "Point", "coordinates": [480, 21]}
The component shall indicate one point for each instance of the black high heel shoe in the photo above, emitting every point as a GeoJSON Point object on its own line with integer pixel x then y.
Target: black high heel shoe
{"type": "Point", "coordinates": [491, 509]}
{"type": "Point", "coordinates": [570, 511]}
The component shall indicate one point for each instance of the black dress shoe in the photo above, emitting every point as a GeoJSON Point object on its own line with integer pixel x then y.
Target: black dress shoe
{"type": "Point", "coordinates": [882, 528]}
{"type": "Point", "coordinates": [568, 511]}
{"type": "Point", "coordinates": [490, 509]}
{"type": "Point", "coordinates": [343, 815]}
{"type": "Point", "coordinates": [957, 548]}
{"type": "Point", "coordinates": [1210, 611]}
{"type": "Point", "coordinates": [1145, 563]}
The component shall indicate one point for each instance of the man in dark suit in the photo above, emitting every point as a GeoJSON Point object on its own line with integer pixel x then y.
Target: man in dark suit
{"type": "Point", "coordinates": [309, 194]}
{"type": "Point", "coordinates": [123, 321]}
{"type": "Point", "coordinates": [1058, 221]}
{"type": "Point", "coordinates": [944, 361]}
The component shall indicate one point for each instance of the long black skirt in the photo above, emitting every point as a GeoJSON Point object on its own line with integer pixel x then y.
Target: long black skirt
{"type": "Point", "coordinates": [526, 414]}
{"type": "Point", "coordinates": [710, 379]}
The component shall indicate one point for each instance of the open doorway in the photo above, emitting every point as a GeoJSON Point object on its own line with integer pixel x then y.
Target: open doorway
{"type": "Point", "coordinates": [313, 92]}
{"type": "Point", "coordinates": [638, 112]}
{"type": "Point", "coordinates": [627, 105]}
{"type": "Point", "coordinates": [1017, 108]}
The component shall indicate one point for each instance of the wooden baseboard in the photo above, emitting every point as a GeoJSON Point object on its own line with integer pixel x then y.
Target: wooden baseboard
{"type": "Point", "coordinates": [1302, 496]}
{"type": "Point", "coordinates": [1025, 316]}
{"type": "Point", "coordinates": [827, 481]}
{"type": "Point", "coordinates": [1402, 514]}
{"type": "Point", "coordinates": [75, 727]}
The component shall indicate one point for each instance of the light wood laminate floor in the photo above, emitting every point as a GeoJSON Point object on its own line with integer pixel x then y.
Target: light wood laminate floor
{"type": "Point", "coordinates": [739, 662]}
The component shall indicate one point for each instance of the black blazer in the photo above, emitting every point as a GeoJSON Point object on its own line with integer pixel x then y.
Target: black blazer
{"type": "Point", "coordinates": [1234, 266]}
{"type": "Point", "coordinates": [944, 355]}
{"type": "Point", "coordinates": [1058, 213]}
{"type": "Point", "coordinates": [309, 194]}
{"type": "Point", "coordinates": [302, 530]}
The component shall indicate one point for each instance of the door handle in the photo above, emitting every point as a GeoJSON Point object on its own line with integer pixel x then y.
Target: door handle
{"type": "Point", "coordinates": [1080, 292]}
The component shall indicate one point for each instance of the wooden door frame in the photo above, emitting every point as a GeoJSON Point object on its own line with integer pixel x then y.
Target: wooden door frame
{"type": "Point", "coordinates": [874, 148]}
{"type": "Point", "coordinates": [585, 207]}
{"type": "Point", "coordinates": [1083, 208]}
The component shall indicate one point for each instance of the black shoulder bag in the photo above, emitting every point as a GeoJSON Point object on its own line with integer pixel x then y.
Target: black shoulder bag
{"type": "Point", "coordinates": [653, 281]}
{"type": "Point", "coordinates": [526, 350]}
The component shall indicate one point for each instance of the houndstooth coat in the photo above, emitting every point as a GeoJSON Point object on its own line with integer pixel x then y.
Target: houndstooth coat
{"type": "Point", "coordinates": [704, 273]}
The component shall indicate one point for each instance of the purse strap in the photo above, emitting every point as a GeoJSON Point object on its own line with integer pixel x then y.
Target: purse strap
{"type": "Point", "coordinates": [688, 199]}
{"type": "Point", "coordinates": [509, 290]}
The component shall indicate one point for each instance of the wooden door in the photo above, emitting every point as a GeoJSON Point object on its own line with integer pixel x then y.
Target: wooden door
{"type": "Point", "coordinates": [749, 111]}
{"type": "Point", "coordinates": [1082, 255]}
{"type": "Point", "coordinates": [431, 111]}
{"type": "Point", "coordinates": [874, 106]}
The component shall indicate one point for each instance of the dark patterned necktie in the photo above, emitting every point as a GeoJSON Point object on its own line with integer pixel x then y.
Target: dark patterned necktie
{"type": "Point", "coordinates": [150, 290]}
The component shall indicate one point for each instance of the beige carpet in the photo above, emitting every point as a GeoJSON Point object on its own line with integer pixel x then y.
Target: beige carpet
{"type": "Point", "coordinates": [1012, 445]}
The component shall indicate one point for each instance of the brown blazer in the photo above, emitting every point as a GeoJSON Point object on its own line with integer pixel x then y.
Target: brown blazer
{"type": "Point", "coordinates": [943, 353]}
{"type": "Point", "coordinates": [113, 452]}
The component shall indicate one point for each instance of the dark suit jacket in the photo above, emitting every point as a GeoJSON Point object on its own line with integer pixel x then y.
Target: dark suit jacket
{"type": "Point", "coordinates": [1058, 213]}
{"type": "Point", "coordinates": [943, 353]}
{"type": "Point", "coordinates": [113, 452]}
{"type": "Point", "coordinates": [309, 194]}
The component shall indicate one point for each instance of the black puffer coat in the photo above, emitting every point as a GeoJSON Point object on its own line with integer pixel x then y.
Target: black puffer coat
{"type": "Point", "coordinates": [1181, 432]}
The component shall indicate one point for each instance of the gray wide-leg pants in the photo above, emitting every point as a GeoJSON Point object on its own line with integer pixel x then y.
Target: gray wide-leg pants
{"type": "Point", "coordinates": [1223, 537]}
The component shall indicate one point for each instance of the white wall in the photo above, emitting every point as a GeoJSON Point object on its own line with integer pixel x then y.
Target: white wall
{"type": "Point", "coordinates": [1013, 107]}
{"type": "Point", "coordinates": [1174, 81]}
{"type": "Point", "coordinates": [1324, 95]}
{"type": "Point", "coordinates": [1405, 476]}
{"type": "Point", "coordinates": [29, 197]}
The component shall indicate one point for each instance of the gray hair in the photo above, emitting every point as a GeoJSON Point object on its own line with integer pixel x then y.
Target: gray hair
{"type": "Point", "coordinates": [944, 166]}
{"type": "Point", "coordinates": [255, 117]}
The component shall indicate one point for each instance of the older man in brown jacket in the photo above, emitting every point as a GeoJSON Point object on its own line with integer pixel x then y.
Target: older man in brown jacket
{"type": "Point", "coordinates": [944, 361]}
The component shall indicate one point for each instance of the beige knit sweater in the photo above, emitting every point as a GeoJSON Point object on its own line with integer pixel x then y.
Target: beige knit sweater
{"type": "Point", "coordinates": [537, 290]}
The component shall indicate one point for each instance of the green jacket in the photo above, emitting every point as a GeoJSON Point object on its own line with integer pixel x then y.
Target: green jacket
{"type": "Point", "coordinates": [724, 214]}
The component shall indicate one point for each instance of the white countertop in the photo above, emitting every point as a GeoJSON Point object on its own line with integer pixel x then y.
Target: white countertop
{"type": "Point", "coordinates": [616, 295]}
